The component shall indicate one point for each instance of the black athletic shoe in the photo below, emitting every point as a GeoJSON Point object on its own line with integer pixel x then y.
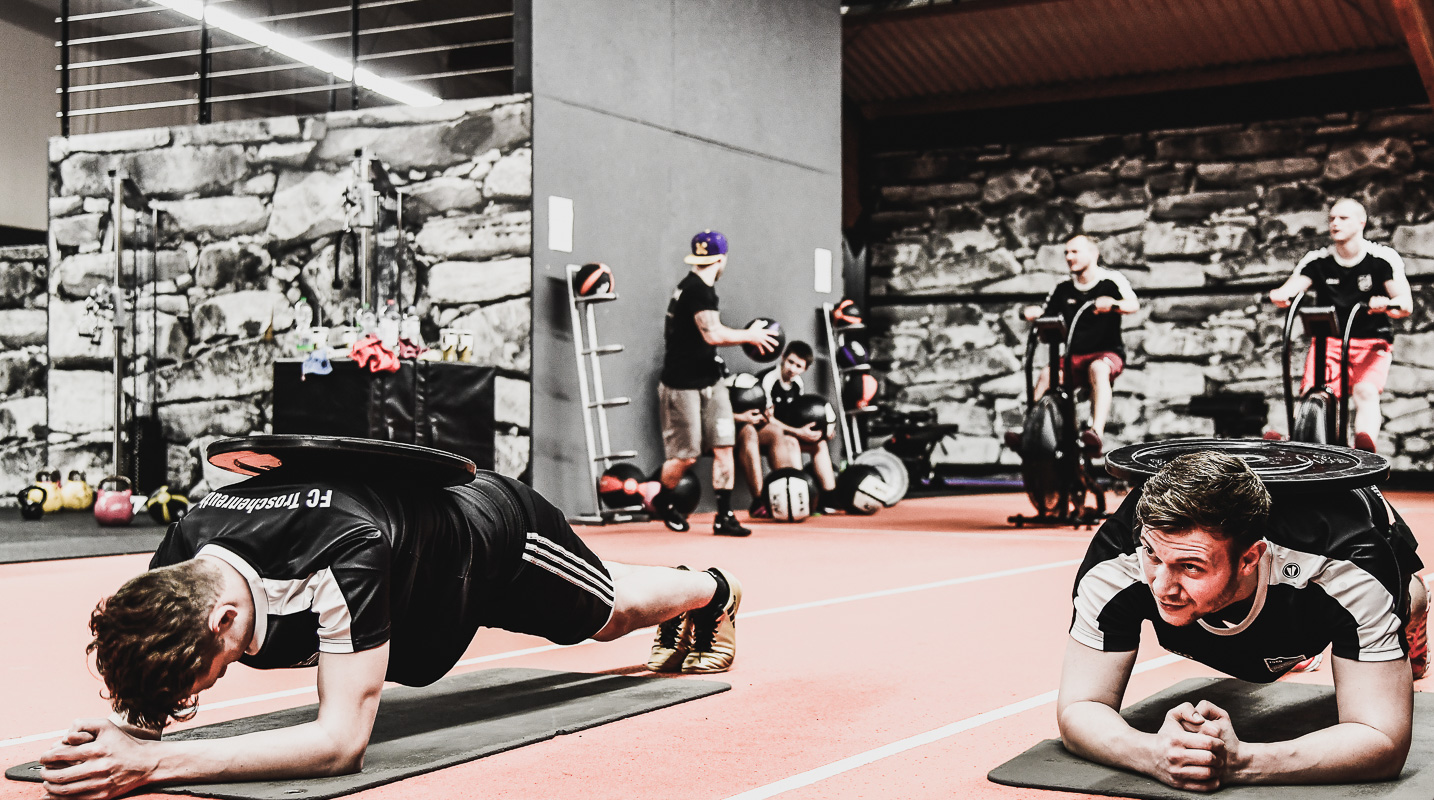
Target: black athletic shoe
{"type": "Point", "coordinates": [672, 518]}
{"type": "Point", "coordinates": [727, 525]}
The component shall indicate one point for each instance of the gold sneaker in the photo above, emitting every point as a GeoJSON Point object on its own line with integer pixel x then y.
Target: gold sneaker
{"type": "Point", "coordinates": [673, 642]}
{"type": "Point", "coordinates": [714, 637]}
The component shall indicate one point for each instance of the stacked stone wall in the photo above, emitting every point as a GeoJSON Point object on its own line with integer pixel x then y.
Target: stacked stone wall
{"type": "Point", "coordinates": [23, 366]}
{"type": "Point", "coordinates": [253, 217]}
{"type": "Point", "coordinates": [1202, 222]}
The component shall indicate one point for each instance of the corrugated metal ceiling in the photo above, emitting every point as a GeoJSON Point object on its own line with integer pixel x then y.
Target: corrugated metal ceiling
{"type": "Point", "coordinates": [997, 52]}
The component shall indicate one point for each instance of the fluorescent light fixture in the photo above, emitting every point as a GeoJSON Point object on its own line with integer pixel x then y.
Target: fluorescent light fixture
{"type": "Point", "coordinates": [299, 51]}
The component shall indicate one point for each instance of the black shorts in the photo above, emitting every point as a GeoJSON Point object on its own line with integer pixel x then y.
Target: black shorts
{"type": "Point", "coordinates": [547, 582]}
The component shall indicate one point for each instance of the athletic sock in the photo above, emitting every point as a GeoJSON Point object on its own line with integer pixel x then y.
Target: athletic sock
{"type": "Point", "coordinates": [721, 596]}
{"type": "Point", "coordinates": [724, 502]}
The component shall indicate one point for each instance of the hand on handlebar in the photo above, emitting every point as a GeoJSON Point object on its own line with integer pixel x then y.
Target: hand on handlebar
{"type": "Point", "coordinates": [1103, 305]}
{"type": "Point", "coordinates": [1281, 299]}
{"type": "Point", "coordinates": [1031, 313]}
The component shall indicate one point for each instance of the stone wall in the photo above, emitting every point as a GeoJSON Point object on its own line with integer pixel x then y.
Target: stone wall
{"type": "Point", "coordinates": [23, 365]}
{"type": "Point", "coordinates": [253, 215]}
{"type": "Point", "coordinates": [1206, 219]}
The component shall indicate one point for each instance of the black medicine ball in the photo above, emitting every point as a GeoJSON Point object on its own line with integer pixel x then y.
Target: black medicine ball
{"type": "Point", "coordinates": [807, 409]}
{"type": "Point", "coordinates": [789, 495]}
{"type": "Point", "coordinates": [860, 489]}
{"type": "Point", "coordinates": [618, 485]}
{"type": "Point", "coordinates": [595, 278]}
{"type": "Point", "coordinates": [746, 393]}
{"type": "Point", "coordinates": [776, 330]}
{"type": "Point", "coordinates": [846, 313]}
{"type": "Point", "coordinates": [858, 389]}
{"type": "Point", "coordinates": [852, 354]}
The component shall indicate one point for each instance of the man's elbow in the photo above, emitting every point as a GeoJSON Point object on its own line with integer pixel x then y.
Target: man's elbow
{"type": "Point", "coordinates": [1389, 762]}
{"type": "Point", "coordinates": [346, 760]}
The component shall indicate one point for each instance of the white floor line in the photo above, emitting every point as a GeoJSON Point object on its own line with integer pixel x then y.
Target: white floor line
{"type": "Point", "coordinates": [885, 751]}
{"type": "Point", "coordinates": [993, 536]}
{"type": "Point", "coordinates": [36, 737]}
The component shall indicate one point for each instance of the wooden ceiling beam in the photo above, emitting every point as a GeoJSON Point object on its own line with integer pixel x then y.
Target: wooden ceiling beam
{"type": "Point", "coordinates": [1415, 19]}
{"type": "Point", "coordinates": [1231, 75]}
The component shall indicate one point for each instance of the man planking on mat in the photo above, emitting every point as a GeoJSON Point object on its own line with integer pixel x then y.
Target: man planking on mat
{"type": "Point", "coordinates": [369, 583]}
{"type": "Point", "coordinates": [1250, 586]}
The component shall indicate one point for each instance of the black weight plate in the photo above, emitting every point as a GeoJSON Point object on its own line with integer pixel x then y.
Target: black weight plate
{"type": "Point", "coordinates": [323, 456]}
{"type": "Point", "coordinates": [1283, 466]}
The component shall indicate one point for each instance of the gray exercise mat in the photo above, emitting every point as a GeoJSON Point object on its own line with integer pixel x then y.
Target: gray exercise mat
{"type": "Point", "coordinates": [460, 718]}
{"type": "Point", "coordinates": [1262, 713]}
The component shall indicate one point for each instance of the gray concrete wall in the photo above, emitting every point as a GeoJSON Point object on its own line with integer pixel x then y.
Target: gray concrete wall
{"type": "Point", "coordinates": [660, 118]}
{"type": "Point", "coordinates": [1208, 218]}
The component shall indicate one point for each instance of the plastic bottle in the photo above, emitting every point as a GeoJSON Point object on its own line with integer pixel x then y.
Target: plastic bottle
{"type": "Point", "coordinates": [411, 328]}
{"type": "Point", "coordinates": [388, 323]}
{"type": "Point", "coordinates": [366, 321]}
{"type": "Point", "coordinates": [303, 320]}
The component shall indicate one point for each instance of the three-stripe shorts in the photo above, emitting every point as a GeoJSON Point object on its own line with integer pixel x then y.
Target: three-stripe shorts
{"type": "Point", "coordinates": [556, 587]}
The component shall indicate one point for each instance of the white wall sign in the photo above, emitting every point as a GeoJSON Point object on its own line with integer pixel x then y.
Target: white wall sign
{"type": "Point", "coordinates": [560, 224]}
{"type": "Point", "coordinates": [824, 271]}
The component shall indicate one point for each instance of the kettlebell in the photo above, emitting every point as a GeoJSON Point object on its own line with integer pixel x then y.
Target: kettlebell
{"type": "Point", "coordinates": [50, 482]}
{"type": "Point", "coordinates": [164, 507]}
{"type": "Point", "coordinates": [112, 501]}
{"type": "Point", "coordinates": [32, 501]}
{"type": "Point", "coordinates": [76, 494]}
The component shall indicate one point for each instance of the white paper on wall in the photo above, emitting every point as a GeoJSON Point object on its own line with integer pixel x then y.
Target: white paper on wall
{"type": "Point", "coordinates": [560, 224]}
{"type": "Point", "coordinates": [824, 270]}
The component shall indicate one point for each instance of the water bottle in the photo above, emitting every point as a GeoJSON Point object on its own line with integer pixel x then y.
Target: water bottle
{"type": "Point", "coordinates": [410, 327]}
{"type": "Point", "coordinates": [303, 321]}
{"type": "Point", "coordinates": [388, 326]}
{"type": "Point", "coordinates": [366, 321]}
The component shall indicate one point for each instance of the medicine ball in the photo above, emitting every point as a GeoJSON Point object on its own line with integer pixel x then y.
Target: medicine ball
{"type": "Point", "coordinates": [746, 393]}
{"type": "Point", "coordinates": [789, 495]}
{"type": "Point", "coordinates": [686, 496]}
{"type": "Point", "coordinates": [809, 408]}
{"type": "Point", "coordinates": [776, 330]}
{"type": "Point", "coordinates": [846, 313]}
{"type": "Point", "coordinates": [858, 389]}
{"type": "Point", "coordinates": [852, 354]}
{"type": "Point", "coordinates": [32, 502]}
{"type": "Point", "coordinates": [861, 490]}
{"type": "Point", "coordinates": [591, 279]}
{"type": "Point", "coordinates": [618, 485]}
{"type": "Point", "coordinates": [164, 507]}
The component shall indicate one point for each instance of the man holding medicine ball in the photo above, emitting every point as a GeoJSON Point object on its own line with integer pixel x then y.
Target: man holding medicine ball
{"type": "Point", "coordinates": [695, 409]}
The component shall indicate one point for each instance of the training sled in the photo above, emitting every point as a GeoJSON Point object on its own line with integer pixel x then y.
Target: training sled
{"type": "Point", "coordinates": [328, 456]}
{"type": "Point", "coordinates": [1284, 466]}
{"type": "Point", "coordinates": [458, 719]}
{"type": "Point", "coordinates": [1261, 713]}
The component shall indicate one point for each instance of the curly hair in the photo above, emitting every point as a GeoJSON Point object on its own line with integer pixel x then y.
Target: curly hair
{"type": "Point", "coordinates": [152, 642]}
{"type": "Point", "coordinates": [1209, 490]}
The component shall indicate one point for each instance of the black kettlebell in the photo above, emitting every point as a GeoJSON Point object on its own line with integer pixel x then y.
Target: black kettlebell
{"type": "Point", "coordinates": [32, 501]}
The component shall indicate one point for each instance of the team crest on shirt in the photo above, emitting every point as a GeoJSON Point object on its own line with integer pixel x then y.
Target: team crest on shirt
{"type": "Point", "coordinates": [1366, 282]}
{"type": "Point", "coordinates": [1291, 571]}
{"type": "Point", "coordinates": [1279, 665]}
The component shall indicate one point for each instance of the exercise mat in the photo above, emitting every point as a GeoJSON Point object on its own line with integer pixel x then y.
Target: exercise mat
{"type": "Point", "coordinates": [460, 718]}
{"type": "Point", "coordinates": [1270, 712]}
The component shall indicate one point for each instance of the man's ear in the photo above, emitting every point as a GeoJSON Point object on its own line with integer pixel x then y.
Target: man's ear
{"type": "Point", "coordinates": [1250, 559]}
{"type": "Point", "coordinates": [222, 617]}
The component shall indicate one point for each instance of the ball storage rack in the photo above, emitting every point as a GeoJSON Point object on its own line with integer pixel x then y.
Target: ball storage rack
{"type": "Point", "coordinates": [595, 402]}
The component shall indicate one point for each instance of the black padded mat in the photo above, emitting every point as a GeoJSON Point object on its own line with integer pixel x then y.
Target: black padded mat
{"type": "Point", "coordinates": [72, 534]}
{"type": "Point", "coordinates": [1261, 713]}
{"type": "Point", "coordinates": [460, 718]}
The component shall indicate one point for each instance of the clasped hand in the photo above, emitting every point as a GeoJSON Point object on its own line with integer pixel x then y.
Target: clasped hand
{"type": "Point", "coordinates": [1196, 747]}
{"type": "Point", "coordinates": [94, 761]}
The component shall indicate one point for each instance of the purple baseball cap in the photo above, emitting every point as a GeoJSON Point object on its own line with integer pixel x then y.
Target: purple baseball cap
{"type": "Point", "coordinates": [708, 247]}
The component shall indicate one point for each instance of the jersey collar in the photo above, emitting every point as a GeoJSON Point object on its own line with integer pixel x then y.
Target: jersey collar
{"type": "Point", "coordinates": [256, 588]}
{"type": "Point", "coordinates": [1363, 250]}
{"type": "Point", "coordinates": [1262, 588]}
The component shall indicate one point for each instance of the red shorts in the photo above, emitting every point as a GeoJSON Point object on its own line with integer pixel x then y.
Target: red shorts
{"type": "Point", "coordinates": [1080, 364]}
{"type": "Point", "coordinates": [1369, 361]}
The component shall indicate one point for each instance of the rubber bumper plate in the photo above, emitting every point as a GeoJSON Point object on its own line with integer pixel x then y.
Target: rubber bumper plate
{"type": "Point", "coordinates": [391, 462]}
{"type": "Point", "coordinates": [1284, 466]}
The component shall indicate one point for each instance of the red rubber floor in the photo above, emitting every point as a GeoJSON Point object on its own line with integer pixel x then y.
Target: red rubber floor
{"type": "Point", "coordinates": [896, 656]}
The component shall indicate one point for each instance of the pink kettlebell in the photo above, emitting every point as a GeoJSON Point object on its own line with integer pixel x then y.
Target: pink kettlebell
{"type": "Point", "coordinates": [112, 501]}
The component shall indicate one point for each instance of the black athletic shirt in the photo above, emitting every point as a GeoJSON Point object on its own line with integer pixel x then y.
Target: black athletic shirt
{"type": "Point", "coordinates": [339, 567]}
{"type": "Point", "coordinates": [689, 361]}
{"type": "Point", "coordinates": [1342, 284]}
{"type": "Point", "coordinates": [1096, 333]}
{"type": "Point", "coordinates": [1337, 573]}
{"type": "Point", "coordinates": [779, 397]}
